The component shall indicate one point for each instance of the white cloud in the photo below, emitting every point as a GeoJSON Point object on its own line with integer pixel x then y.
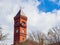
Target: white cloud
{"type": "Point", "coordinates": [53, 0]}
{"type": "Point", "coordinates": [56, 2]}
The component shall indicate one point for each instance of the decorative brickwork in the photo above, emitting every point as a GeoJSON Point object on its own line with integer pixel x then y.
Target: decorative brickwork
{"type": "Point", "coordinates": [20, 27]}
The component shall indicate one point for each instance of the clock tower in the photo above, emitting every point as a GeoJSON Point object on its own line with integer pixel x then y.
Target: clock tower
{"type": "Point", "coordinates": [20, 27]}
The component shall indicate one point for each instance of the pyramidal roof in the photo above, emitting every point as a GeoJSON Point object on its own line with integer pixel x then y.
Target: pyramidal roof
{"type": "Point", "coordinates": [22, 15]}
{"type": "Point", "coordinates": [21, 12]}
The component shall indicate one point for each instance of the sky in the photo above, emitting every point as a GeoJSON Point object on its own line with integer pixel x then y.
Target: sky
{"type": "Point", "coordinates": [42, 15]}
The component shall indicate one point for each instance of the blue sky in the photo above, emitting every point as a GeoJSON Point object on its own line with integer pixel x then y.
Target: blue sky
{"type": "Point", "coordinates": [48, 6]}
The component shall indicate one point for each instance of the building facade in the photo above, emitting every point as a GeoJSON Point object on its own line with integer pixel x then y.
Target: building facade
{"type": "Point", "coordinates": [20, 27]}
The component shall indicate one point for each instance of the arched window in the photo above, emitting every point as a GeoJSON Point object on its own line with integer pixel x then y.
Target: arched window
{"type": "Point", "coordinates": [16, 31]}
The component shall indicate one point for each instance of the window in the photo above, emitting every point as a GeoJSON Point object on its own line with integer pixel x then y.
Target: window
{"type": "Point", "coordinates": [16, 31]}
{"type": "Point", "coordinates": [23, 38]}
{"type": "Point", "coordinates": [22, 31]}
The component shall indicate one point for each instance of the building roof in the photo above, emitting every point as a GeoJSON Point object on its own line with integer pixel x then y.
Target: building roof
{"type": "Point", "coordinates": [21, 14]}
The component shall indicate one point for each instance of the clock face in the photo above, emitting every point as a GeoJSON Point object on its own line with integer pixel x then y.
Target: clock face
{"type": "Point", "coordinates": [23, 24]}
{"type": "Point", "coordinates": [17, 24]}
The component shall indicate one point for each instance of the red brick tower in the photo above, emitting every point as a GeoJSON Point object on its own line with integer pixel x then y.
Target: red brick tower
{"type": "Point", "coordinates": [20, 27]}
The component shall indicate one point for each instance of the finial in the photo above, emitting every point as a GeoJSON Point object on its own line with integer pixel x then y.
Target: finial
{"type": "Point", "coordinates": [21, 11]}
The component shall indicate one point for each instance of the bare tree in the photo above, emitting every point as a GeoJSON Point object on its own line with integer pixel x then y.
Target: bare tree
{"type": "Point", "coordinates": [37, 36]}
{"type": "Point", "coordinates": [54, 36]}
{"type": "Point", "coordinates": [2, 37]}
